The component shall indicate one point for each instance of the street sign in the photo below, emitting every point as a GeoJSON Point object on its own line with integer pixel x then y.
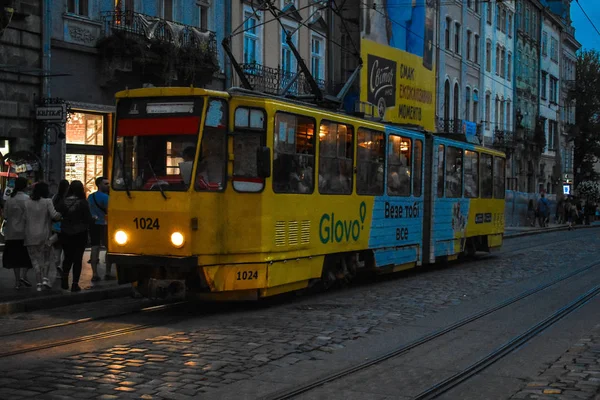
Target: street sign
{"type": "Point", "coordinates": [51, 113]}
{"type": "Point", "coordinates": [566, 189]}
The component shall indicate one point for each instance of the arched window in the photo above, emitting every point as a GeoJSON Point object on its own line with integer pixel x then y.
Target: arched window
{"type": "Point", "coordinates": [475, 105]}
{"type": "Point", "coordinates": [447, 100]}
{"type": "Point", "coordinates": [456, 103]}
{"type": "Point", "coordinates": [468, 104]}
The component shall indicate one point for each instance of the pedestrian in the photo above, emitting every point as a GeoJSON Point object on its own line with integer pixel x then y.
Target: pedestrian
{"type": "Point", "coordinates": [572, 214]}
{"type": "Point", "coordinates": [15, 255]}
{"type": "Point", "coordinates": [543, 208]}
{"type": "Point", "coordinates": [98, 202]}
{"type": "Point", "coordinates": [57, 249]}
{"type": "Point", "coordinates": [531, 213]}
{"type": "Point", "coordinates": [74, 232]}
{"type": "Point", "coordinates": [39, 214]}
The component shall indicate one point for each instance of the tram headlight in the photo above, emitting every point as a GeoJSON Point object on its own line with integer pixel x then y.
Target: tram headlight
{"type": "Point", "coordinates": [121, 238]}
{"type": "Point", "coordinates": [177, 239]}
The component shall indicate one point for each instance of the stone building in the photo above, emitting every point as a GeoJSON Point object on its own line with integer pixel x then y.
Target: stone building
{"type": "Point", "coordinates": [21, 73]}
{"type": "Point", "coordinates": [460, 63]}
{"type": "Point", "coordinates": [550, 93]}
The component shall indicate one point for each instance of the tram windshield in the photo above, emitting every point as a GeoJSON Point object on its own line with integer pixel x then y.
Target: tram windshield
{"type": "Point", "coordinates": [156, 143]}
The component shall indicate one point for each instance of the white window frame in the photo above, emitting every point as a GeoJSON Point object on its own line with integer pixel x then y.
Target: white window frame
{"type": "Point", "coordinates": [258, 37]}
{"type": "Point", "coordinates": [209, 16]}
{"type": "Point", "coordinates": [174, 8]}
{"type": "Point", "coordinates": [288, 26]}
{"type": "Point", "coordinates": [76, 4]}
{"type": "Point", "coordinates": [321, 55]}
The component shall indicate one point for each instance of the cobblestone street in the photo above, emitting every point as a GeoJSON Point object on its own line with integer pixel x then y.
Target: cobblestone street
{"type": "Point", "coordinates": [217, 350]}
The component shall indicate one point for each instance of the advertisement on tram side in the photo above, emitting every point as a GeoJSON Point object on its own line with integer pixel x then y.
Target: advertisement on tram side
{"type": "Point", "coordinates": [398, 75]}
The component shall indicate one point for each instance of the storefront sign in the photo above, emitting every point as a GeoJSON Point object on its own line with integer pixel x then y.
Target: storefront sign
{"type": "Point", "coordinates": [51, 113]}
{"type": "Point", "coordinates": [400, 76]}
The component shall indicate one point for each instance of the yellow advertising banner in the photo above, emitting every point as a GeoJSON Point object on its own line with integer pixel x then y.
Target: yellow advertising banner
{"type": "Point", "coordinates": [400, 84]}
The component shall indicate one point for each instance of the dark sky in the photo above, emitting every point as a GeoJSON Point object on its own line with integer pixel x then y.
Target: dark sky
{"type": "Point", "coordinates": [584, 31]}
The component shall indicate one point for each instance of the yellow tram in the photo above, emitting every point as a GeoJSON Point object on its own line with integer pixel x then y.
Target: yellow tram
{"type": "Point", "coordinates": [239, 195]}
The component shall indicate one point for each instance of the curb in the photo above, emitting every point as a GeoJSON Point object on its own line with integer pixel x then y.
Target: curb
{"type": "Point", "coordinates": [63, 299]}
{"type": "Point", "coordinates": [547, 230]}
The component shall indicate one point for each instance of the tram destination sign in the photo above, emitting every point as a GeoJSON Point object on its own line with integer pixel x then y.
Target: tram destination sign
{"type": "Point", "coordinates": [56, 112]}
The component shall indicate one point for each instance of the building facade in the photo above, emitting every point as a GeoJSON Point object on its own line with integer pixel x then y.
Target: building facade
{"type": "Point", "coordinates": [498, 74]}
{"type": "Point", "coordinates": [259, 44]}
{"type": "Point", "coordinates": [460, 60]}
{"type": "Point", "coordinates": [101, 47]}
{"type": "Point", "coordinates": [550, 94]}
{"type": "Point", "coordinates": [20, 75]}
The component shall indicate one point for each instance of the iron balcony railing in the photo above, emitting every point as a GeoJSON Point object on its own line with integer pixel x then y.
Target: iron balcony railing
{"type": "Point", "coordinates": [272, 80]}
{"type": "Point", "coordinates": [450, 125]}
{"type": "Point", "coordinates": [504, 139]}
{"type": "Point", "coordinates": [154, 28]}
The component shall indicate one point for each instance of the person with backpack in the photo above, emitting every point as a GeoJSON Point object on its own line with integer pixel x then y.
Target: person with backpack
{"type": "Point", "coordinates": [98, 202]}
{"type": "Point", "coordinates": [543, 208]}
{"type": "Point", "coordinates": [76, 221]}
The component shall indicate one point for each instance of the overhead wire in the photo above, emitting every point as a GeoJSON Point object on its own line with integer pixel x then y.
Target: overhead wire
{"type": "Point", "coordinates": [587, 16]}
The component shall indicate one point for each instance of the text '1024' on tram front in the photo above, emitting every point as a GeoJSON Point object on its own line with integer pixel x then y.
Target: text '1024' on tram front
{"type": "Point", "coordinates": [247, 185]}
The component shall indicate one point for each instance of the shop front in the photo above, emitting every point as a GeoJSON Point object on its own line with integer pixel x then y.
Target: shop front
{"type": "Point", "coordinates": [87, 144]}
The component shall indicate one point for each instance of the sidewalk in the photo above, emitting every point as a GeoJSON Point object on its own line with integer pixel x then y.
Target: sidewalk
{"type": "Point", "coordinates": [517, 231]}
{"type": "Point", "coordinates": [28, 299]}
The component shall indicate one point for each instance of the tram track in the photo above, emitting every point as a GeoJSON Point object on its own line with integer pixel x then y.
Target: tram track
{"type": "Point", "coordinates": [456, 379]}
{"type": "Point", "coordinates": [91, 337]}
{"type": "Point", "coordinates": [505, 349]}
{"type": "Point", "coordinates": [164, 307]}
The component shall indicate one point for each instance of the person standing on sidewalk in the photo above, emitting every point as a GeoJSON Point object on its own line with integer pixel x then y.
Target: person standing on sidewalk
{"type": "Point", "coordinates": [74, 232]}
{"type": "Point", "coordinates": [63, 188]}
{"type": "Point", "coordinates": [39, 214]}
{"type": "Point", "coordinates": [15, 255]}
{"type": "Point", "coordinates": [98, 202]}
{"type": "Point", "coordinates": [543, 208]}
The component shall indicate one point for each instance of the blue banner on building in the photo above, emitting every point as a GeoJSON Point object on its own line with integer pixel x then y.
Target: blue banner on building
{"type": "Point", "coordinates": [469, 129]}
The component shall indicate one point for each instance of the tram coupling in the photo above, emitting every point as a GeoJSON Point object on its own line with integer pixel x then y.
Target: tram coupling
{"type": "Point", "coordinates": [166, 288]}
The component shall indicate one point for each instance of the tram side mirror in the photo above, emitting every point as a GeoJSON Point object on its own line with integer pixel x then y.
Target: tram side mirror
{"type": "Point", "coordinates": [263, 161]}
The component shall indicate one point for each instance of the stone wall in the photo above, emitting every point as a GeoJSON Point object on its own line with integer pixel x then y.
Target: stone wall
{"type": "Point", "coordinates": [20, 67]}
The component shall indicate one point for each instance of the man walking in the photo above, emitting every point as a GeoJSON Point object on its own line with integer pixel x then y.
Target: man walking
{"type": "Point", "coordinates": [543, 208]}
{"type": "Point", "coordinates": [98, 231]}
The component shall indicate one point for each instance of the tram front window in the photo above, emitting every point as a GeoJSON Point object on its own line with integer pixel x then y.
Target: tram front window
{"type": "Point", "coordinates": [156, 143]}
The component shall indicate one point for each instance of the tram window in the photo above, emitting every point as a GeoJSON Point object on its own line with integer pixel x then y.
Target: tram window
{"type": "Point", "coordinates": [454, 161]}
{"type": "Point", "coordinates": [249, 118]}
{"type": "Point", "coordinates": [336, 155]}
{"type": "Point", "coordinates": [471, 174]}
{"type": "Point", "coordinates": [293, 154]}
{"type": "Point", "coordinates": [370, 162]}
{"type": "Point", "coordinates": [399, 166]}
{"type": "Point", "coordinates": [487, 186]}
{"type": "Point", "coordinates": [210, 173]}
{"type": "Point", "coordinates": [440, 170]}
{"type": "Point", "coordinates": [499, 173]}
{"type": "Point", "coordinates": [418, 168]}
{"type": "Point", "coordinates": [249, 136]}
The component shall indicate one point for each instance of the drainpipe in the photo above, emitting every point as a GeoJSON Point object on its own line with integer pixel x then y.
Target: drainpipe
{"type": "Point", "coordinates": [226, 62]}
{"type": "Point", "coordinates": [46, 58]}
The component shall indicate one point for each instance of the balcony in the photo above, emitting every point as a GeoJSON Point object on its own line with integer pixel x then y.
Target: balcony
{"type": "Point", "coordinates": [171, 52]}
{"type": "Point", "coordinates": [453, 126]}
{"type": "Point", "coordinates": [504, 140]}
{"type": "Point", "coordinates": [272, 80]}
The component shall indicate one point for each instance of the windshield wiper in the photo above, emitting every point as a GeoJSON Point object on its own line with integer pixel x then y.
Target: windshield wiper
{"type": "Point", "coordinates": [124, 174]}
{"type": "Point", "coordinates": [157, 181]}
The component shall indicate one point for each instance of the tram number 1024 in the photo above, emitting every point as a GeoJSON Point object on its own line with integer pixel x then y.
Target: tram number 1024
{"type": "Point", "coordinates": [146, 223]}
{"type": "Point", "coordinates": [247, 275]}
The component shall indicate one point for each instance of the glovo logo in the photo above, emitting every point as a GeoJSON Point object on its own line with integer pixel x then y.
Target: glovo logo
{"type": "Point", "coordinates": [340, 231]}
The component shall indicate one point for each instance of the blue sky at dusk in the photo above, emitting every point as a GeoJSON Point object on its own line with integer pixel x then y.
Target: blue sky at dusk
{"type": "Point", "coordinates": [584, 31]}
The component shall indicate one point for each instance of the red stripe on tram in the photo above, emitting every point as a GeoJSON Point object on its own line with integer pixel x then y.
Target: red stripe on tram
{"type": "Point", "coordinates": [158, 126]}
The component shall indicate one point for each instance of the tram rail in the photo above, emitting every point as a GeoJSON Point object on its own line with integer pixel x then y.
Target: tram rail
{"type": "Point", "coordinates": [458, 378]}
